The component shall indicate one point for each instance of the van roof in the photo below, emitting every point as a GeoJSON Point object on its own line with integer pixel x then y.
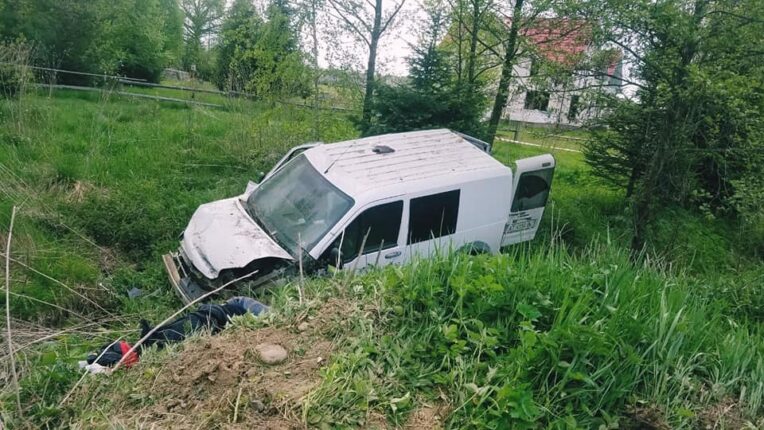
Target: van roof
{"type": "Point", "coordinates": [394, 164]}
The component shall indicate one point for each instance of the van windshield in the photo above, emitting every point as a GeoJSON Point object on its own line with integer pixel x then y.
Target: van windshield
{"type": "Point", "coordinates": [297, 206]}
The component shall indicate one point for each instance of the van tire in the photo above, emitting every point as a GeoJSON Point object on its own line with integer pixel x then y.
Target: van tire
{"type": "Point", "coordinates": [475, 248]}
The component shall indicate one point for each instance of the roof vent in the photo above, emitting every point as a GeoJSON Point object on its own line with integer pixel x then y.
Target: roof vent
{"type": "Point", "coordinates": [382, 149]}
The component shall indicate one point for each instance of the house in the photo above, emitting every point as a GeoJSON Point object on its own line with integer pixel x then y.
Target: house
{"type": "Point", "coordinates": [550, 86]}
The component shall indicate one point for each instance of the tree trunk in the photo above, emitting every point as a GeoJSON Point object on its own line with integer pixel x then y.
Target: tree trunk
{"type": "Point", "coordinates": [316, 75]}
{"type": "Point", "coordinates": [632, 181]}
{"type": "Point", "coordinates": [472, 59]}
{"type": "Point", "coordinates": [506, 72]}
{"type": "Point", "coordinates": [459, 40]}
{"type": "Point", "coordinates": [371, 66]}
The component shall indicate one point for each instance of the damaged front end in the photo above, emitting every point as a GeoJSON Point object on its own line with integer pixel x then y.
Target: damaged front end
{"type": "Point", "coordinates": [191, 284]}
{"type": "Point", "coordinates": [264, 230]}
{"type": "Point", "coordinates": [220, 244]}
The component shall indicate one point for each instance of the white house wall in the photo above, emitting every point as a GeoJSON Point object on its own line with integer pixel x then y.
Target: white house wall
{"type": "Point", "coordinates": [559, 100]}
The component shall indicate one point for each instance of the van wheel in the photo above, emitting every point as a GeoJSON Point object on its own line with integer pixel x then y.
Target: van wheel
{"type": "Point", "coordinates": [475, 248]}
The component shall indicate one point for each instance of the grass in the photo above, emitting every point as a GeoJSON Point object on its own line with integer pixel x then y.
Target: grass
{"type": "Point", "coordinates": [551, 138]}
{"type": "Point", "coordinates": [535, 338]}
{"type": "Point", "coordinates": [540, 337]}
{"type": "Point", "coordinates": [565, 332]}
{"type": "Point", "coordinates": [127, 174]}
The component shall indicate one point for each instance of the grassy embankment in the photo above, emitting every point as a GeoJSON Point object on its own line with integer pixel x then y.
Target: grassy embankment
{"type": "Point", "coordinates": [565, 332]}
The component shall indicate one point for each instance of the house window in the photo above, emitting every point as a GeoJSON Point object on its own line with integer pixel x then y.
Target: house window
{"type": "Point", "coordinates": [575, 102]}
{"type": "Point", "coordinates": [537, 100]}
{"type": "Point", "coordinates": [379, 224]}
{"type": "Point", "coordinates": [535, 65]}
{"type": "Point", "coordinates": [433, 216]}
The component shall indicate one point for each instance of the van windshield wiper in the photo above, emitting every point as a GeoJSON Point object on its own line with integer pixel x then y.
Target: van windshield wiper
{"type": "Point", "coordinates": [273, 234]}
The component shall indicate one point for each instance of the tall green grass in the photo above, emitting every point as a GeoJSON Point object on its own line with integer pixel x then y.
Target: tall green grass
{"type": "Point", "coordinates": [105, 184]}
{"type": "Point", "coordinates": [540, 337]}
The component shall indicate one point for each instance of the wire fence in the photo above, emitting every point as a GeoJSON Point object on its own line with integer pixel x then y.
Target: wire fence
{"type": "Point", "coordinates": [112, 82]}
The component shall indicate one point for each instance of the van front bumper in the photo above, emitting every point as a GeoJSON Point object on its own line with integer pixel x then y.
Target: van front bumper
{"type": "Point", "coordinates": [187, 289]}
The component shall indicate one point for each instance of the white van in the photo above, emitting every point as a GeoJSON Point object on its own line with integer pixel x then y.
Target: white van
{"type": "Point", "coordinates": [371, 201]}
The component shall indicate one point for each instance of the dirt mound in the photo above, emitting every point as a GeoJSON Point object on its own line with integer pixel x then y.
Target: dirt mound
{"type": "Point", "coordinates": [220, 382]}
{"type": "Point", "coordinates": [427, 417]}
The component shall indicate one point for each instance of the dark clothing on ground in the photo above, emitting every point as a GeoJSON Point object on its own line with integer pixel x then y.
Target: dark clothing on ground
{"type": "Point", "coordinates": [208, 316]}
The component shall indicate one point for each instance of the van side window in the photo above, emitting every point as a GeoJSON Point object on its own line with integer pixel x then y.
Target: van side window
{"type": "Point", "coordinates": [382, 224]}
{"type": "Point", "coordinates": [532, 190]}
{"type": "Point", "coordinates": [433, 216]}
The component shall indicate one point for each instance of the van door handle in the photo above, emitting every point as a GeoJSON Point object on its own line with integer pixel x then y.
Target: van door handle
{"type": "Point", "coordinates": [392, 255]}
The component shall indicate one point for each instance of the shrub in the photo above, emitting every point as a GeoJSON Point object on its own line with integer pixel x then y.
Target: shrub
{"type": "Point", "coordinates": [13, 77]}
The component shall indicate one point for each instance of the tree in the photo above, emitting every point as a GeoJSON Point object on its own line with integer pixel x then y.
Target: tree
{"type": "Point", "coordinates": [42, 22]}
{"type": "Point", "coordinates": [239, 33]}
{"type": "Point", "coordinates": [309, 13]}
{"type": "Point", "coordinates": [137, 42]}
{"type": "Point", "coordinates": [432, 98]}
{"type": "Point", "coordinates": [694, 128]}
{"type": "Point", "coordinates": [491, 34]}
{"type": "Point", "coordinates": [367, 21]}
{"type": "Point", "coordinates": [511, 48]}
{"type": "Point", "coordinates": [262, 57]}
{"type": "Point", "coordinates": [280, 68]}
{"type": "Point", "coordinates": [172, 30]}
{"type": "Point", "coordinates": [98, 36]}
{"type": "Point", "coordinates": [202, 19]}
{"type": "Point", "coordinates": [468, 34]}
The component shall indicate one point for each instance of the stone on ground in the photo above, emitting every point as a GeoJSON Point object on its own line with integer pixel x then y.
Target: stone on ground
{"type": "Point", "coordinates": [271, 353]}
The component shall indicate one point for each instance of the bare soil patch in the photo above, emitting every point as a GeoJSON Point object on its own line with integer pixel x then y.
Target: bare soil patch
{"type": "Point", "coordinates": [220, 382]}
{"type": "Point", "coordinates": [723, 415]}
{"type": "Point", "coordinates": [646, 417]}
{"type": "Point", "coordinates": [428, 416]}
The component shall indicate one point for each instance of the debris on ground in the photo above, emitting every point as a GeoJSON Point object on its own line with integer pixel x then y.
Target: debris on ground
{"type": "Point", "coordinates": [224, 382]}
{"type": "Point", "coordinates": [427, 417]}
{"type": "Point", "coordinates": [207, 317]}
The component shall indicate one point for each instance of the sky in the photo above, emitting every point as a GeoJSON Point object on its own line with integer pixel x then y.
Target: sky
{"type": "Point", "coordinates": [395, 45]}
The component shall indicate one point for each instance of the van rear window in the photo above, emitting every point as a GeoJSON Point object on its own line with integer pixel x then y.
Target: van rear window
{"type": "Point", "coordinates": [532, 190]}
{"type": "Point", "coordinates": [433, 216]}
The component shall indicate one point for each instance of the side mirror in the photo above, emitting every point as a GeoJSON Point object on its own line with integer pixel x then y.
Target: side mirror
{"type": "Point", "coordinates": [250, 187]}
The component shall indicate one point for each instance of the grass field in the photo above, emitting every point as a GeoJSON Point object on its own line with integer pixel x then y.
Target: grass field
{"type": "Point", "coordinates": [564, 332]}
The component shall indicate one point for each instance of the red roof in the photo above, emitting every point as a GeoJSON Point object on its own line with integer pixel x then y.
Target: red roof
{"type": "Point", "coordinates": [561, 40]}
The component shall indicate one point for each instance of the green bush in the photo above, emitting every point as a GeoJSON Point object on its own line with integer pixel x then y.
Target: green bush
{"type": "Point", "coordinates": [129, 220]}
{"type": "Point", "coordinates": [13, 77]}
{"type": "Point", "coordinates": [10, 82]}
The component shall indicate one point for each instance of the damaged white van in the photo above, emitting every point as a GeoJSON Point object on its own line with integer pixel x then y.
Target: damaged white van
{"type": "Point", "coordinates": [372, 201]}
